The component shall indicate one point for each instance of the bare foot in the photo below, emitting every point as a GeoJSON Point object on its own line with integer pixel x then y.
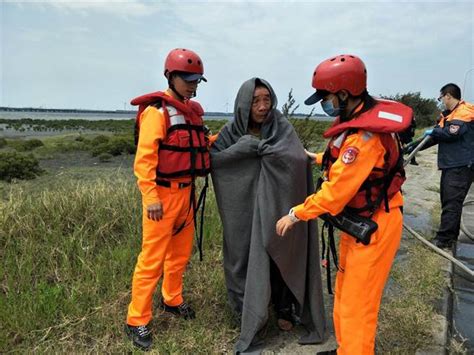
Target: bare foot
{"type": "Point", "coordinates": [284, 325]}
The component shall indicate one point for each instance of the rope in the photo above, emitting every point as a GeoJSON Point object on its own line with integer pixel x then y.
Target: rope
{"type": "Point", "coordinates": [440, 251]}
{"type": "Point", "coordinates": [463, 226]}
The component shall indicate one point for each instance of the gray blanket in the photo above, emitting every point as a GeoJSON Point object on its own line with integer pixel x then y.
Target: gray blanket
{"type": "Point", "coordinates": [256, 182]}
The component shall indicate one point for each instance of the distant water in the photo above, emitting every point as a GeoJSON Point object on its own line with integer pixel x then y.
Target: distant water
{"type": "Point", "coordinates": [16, 115]}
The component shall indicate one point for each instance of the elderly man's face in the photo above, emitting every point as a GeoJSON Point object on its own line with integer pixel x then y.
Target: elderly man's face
{"type": "Point", "coordinates": [261, 104]}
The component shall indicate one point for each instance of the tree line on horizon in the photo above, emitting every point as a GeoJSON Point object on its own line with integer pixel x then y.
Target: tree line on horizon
{"type": "Point", "coordinates": [425, 109]}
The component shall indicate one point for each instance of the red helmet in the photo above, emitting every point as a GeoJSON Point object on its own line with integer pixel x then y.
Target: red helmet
{"type": "Point", "coordinates": [184, 60]}
{"type": "Point", "coordinates": [344, 72]}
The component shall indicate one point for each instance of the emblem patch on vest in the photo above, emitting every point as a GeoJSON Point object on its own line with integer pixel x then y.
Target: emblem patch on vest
{"type": "Point", "coordinates": [454, 129]}
{"type": "Point", "coordinates": [349, 155]}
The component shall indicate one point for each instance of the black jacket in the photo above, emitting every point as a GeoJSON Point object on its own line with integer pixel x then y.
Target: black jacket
{"type": "Point", "coordinates": [455, 136]}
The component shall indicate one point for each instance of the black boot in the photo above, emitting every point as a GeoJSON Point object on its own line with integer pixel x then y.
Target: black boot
{"type": "Point", "coordinates": [330, 352]}
{"type": "Point", "coordinates": [443, 244]}
{"type": "Point", "coordinates": [139, 335]}
{"type": "Point", "coordinates": [183, 310]}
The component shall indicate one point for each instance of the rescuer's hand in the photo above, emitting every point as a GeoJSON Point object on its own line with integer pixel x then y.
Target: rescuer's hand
{"type": "Point", "coordinates": [409, 148]}
{"type": "Point", "coordinates": [312, 156]}
{"type": "Point", "coordinates": [155, 211]}
{"type": "Point", "coordinates": [284, 225]}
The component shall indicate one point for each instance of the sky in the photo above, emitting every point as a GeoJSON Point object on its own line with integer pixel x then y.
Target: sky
{"type": "Point", "coordinates": [100, 55]}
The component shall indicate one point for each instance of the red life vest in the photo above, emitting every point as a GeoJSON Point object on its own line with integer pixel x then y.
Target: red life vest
{"type": "Point", "coordinates": [386, 118]}
{"type": "Point", "coordinates": [184, 151]}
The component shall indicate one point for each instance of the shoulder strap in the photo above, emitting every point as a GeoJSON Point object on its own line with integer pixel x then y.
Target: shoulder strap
{"type": "Point", "coordinates": [141, 107]}
{"type": "Point", "coordinates": [393, 166]}
{"type": "Point", "coordinates": [385, 117]}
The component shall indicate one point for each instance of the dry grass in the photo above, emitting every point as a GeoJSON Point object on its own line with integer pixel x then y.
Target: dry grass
{"type": "Point", "coordinates": [68, 254]}
{"type": "Point", "coordinates": [406, 315]}
{"type": "Point", "coordinates": [68, 246]}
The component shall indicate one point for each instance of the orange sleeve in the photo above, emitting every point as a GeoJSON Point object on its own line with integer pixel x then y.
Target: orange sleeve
{"type": "Point", "coordinates": [319, 158]}
{"type": "Point", "coordinates": [152, 130]}
{"type": "Point", "coordinates": [344, 178]}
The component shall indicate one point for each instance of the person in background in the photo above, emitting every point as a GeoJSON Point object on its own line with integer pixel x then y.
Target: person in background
{"type": "Point", "coordinates": [454, 135]}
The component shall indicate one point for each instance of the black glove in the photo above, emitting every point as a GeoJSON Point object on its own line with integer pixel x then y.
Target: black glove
{"type": "Point", "coordinates": [207, 131]}
{"type": "Point", "coordinates": [409, 148]}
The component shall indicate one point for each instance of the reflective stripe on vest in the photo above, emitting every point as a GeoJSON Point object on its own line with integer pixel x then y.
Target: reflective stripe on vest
{"type": "Point", "coordinates": [385, 118]}
{"type": "Point", "coordinates": [184, 151]}
{"type": "Point", "coordinates": [373, 190]}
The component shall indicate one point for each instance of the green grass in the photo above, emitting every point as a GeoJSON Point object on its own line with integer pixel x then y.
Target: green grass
{"type": "Point", "coordinates": [113, 137]}
{"type": "Point", "coordinates": [68, 251]}
{"type": "Point", "coordinates": [408, 312]}
{"type": "Point", "coordinates": [14, 165]}
{"type": "Point", "coordinates": [79, 125]}
{"type": "Point", "coordinates": [40, 125]}
{"type": "Point", "coordinates": [406, 316]}
{"type": "Point", "coordinates": [68, 245]}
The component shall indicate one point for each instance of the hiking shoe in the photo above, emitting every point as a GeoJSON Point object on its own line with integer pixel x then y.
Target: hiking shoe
{"type": "Point", "coordinates": [139, 335]}
{"type": "Point", "coordinates": [443, 244]}
{"type": "Point", "coordinates": [183, 310]}
{"type": "Point", "coordinates": [330, 352]}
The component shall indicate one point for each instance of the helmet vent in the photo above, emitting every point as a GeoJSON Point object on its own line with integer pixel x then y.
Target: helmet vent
{"type": "Point", "coordinates": [343, 59]}
{"type": "Point", "coordinates": [184, 50]}
{"type": "Point", "coordinates": [199, 62]}
{"type": "Point", "coordinates": [190, 61]}
{"type": "Point", "coordinates": [333, 59]}
{"type": "Point", "coordinates": [351, 56]}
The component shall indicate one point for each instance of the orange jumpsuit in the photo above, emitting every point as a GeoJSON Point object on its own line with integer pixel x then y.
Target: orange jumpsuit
{"type": "Point", "coordinates": [364, 269]}
{"type": "Point", "coordinates": [162, 252]}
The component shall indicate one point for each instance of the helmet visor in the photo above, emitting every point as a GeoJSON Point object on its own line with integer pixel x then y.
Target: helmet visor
{"type": "Point", "coordinates": [317, 96]}
{"type": "Point", "coordinates": [191, 76]}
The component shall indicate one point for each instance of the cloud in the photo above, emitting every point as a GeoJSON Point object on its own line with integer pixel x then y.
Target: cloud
{"type": "Point", "coordinates": [407, 46]}
{"type": "Point", "coordinates": [120, 8]}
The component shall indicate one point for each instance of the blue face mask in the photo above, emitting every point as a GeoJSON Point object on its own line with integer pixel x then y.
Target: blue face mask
{"type": "Point", "coordinates": [328, 107]}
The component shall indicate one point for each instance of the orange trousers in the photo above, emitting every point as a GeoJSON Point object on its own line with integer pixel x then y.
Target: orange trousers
{"type": "Point", "coordinates": [360, 283]}
{"type": "Point", "coordinates": [162, 254]}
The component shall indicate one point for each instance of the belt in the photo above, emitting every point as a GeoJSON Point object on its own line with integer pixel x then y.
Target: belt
{"type": "Point", "coordinates": [181, 185]}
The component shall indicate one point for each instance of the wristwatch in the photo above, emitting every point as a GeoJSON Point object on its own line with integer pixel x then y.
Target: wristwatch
{"type": "Point", "coordinates": [293, 217]}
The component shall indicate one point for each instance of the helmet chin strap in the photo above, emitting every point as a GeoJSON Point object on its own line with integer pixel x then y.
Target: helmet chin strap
{"type": "Point", "coordinates": [342, 109]}
{"type": "Point", "coordinates": [173, 88]}
{"type": "Point", "coordinates": [343, 105]}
